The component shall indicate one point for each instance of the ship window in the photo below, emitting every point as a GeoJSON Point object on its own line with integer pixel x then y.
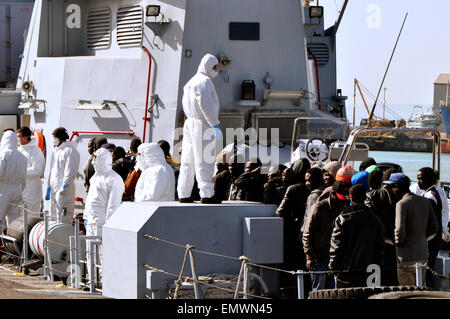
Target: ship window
{"type": "Point", "coordinates": [320, 51]}
{"type": "Point", "coordinates": [244, 31]}
{"type": "Point", "coordinates": [99, 29]}
{"type": "Point", "coordinates": [129, 26]}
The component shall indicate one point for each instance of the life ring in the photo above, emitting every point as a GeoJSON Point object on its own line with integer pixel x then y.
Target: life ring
{"type": "Point", "coordinates": [40, 141]}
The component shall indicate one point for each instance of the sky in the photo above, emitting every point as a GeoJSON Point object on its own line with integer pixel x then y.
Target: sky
{"type": "Point", "coordinates": [365, 41]}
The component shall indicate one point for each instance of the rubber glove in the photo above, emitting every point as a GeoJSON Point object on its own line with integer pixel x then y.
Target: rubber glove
{"type": "Point", "coordinates": [445, 234]}
{"type": "Point", "coordinates": [47, 196]}
{"type": "Point", "coordinates": [64, 186]}
{"type": "Point", "coordinates": [217, 132]}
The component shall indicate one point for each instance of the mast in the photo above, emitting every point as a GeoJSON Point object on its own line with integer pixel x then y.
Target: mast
{"type": "Point", "coordinates": [385, 73]}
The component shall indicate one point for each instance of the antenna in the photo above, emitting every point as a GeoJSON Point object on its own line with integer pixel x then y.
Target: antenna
{"type": "Point", "coordinates": [385, 73]}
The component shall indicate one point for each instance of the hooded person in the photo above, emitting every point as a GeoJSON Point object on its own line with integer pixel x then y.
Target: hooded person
{"type": "Point", "coordinates": [32, 194]}
{"type": "Point", "coordinates": [292, 210]}
{"type": "Point", "coordinates": [106, 190]}
{"type": "Point", "coordinates": [201, 107]}
{"type": "Point", "coordinates": [13, 169]}
{"type": "Point", "coordinates": [157, 181]}
{"type": "Point", "coordinates": [93, 145]}
{"type": "Point", "coordinates": [64, 165]}
{"type": "Point", "coordinates": [104, 197]}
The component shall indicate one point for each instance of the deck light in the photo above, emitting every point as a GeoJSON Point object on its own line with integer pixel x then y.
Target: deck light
{"type": "Point", "coordinates": [153, 11]}
{"type": "Point", "coordinates": [316, 12]}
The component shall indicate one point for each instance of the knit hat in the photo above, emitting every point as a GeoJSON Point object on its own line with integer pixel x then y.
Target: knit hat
{"type": "Point", "coordinates": [345, 174]}
{"type": "Point", "coordinates": [372, 168]}
{"type": "Point", "coordinates": [361, 178]}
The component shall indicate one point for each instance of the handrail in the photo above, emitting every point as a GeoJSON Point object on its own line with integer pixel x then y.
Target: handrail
{"type": "Point", "coordinates": [148, 90]}
{"type": "Point", "coordinates": [77, 133]}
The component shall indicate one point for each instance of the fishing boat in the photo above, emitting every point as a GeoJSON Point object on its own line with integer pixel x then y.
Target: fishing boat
{"type": "Point", "coordinates": [423, 120]}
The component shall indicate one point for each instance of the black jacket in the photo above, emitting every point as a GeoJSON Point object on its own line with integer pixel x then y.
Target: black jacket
{"type": "Point", "coordinates": [274, 191]}
{"type": "Point", "coordinates": [222, 182]}
{"type": "Point", "coordinates": [318, 228]}
{"type": "Point", "coordinates": [250, 187]}
{"type": "Point", "coordinates": [357, 240]}
{"type": "Point", "coordinates": [382, 203]}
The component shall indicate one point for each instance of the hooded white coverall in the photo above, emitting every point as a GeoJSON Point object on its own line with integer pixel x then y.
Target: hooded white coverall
{"type": "Point", "coordinates": [13, 169]}
{"type": "Point", "coordinates": [64, 166]}
{"type": "Point", "coordinates": [157, 180]}
{"type": "Point", "coordinates": [32, 194]}
{"type": "Point", "coordinates": [104, 196]}
{"type": "Point", "coordinates": [201, 107]}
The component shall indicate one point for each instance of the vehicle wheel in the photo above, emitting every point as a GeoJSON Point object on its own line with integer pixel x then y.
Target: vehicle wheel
{"type": "Point", "coordinates": [360, 292]}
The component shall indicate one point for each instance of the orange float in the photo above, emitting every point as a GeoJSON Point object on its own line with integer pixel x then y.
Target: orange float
{"type": "Point", "coordinates": [40, 141]}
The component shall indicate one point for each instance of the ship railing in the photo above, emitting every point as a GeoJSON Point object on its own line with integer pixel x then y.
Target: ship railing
{"type": "Point", "coordinates": [81, 258]}
{"type": "Point", "coordinates": [446, 187]}
{"type": "Point", "coordinates": [245, 275]}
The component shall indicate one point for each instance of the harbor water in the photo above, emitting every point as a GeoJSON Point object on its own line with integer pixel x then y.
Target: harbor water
{"type": "Point", "coordinates": [411, 162]}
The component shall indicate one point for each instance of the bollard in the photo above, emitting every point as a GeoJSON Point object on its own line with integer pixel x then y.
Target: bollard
{"type": "Point", "coordinates": [300, 284]}
{"type": "Point", "coordinates": [419, 279]}
{"type": "Point", "coordinates": [197, 290]}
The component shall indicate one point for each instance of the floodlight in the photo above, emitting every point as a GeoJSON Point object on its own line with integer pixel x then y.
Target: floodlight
{"type": "Point", "coordinates": [153, 11]}
{"type": "Point", "coordinates": [316, 12]}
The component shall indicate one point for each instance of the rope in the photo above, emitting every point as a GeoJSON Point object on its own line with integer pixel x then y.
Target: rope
{"type": "Point", "coordinates": [243, 265]}
{"type": "Point", "coordinates": [201, 282]}
{"type": "Point", "coordinates": [178, 281]}
{"type": "Point", "coordinates": [436, 273]}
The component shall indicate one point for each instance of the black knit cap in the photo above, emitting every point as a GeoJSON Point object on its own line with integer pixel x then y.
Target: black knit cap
{"type": "Point", "coordinates": [60, 133]}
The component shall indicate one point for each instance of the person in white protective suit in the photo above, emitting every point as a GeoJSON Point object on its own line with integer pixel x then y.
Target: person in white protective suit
{"type": "Point", "coordinates": [13, 169]}
{"type": "Point", "coordinates": [104, 196]}
{"type": "Point", "coordinates": [201, 107]}
{"type": "Point", "coordinates": [157, 181]}
{"type": "Point", "coordinates": [32, 194]}
{"type": "Point", "coordinates": [64, 166]}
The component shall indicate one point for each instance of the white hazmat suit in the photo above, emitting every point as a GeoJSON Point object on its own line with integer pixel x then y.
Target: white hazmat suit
{"type": "Point", "coordinates": [104, 196]}
{"type": "Point", "coordinates": [64, 166]}
{"type": "Point", "coordinates": [157, 180]}
{"type": "Point", "coordinates": [201, 107]}
{"type": "Point", "coordinates": [32, 194]}
{"type": "Point", "coordinates": [105, 192]}
{"type": "Point", "coordinates": [13, 169]}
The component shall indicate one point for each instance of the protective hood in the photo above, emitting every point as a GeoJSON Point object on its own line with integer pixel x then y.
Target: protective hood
{"type": "Point", "coordinates": [103, 161]}
{"type": "Point", "coordinates": [296, 173]}
{"type": "Point", "coordinates": [207, 64]}
{"type": "Point", "coordinates": [9, 140]}
{"type": "Point", "coordinates": [152, 154]}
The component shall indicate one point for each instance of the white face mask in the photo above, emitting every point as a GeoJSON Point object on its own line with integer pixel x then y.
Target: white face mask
{"type": "Point", "coordinates": [214, 73]}
{"type": "Point", "coordinates": [56, 141]}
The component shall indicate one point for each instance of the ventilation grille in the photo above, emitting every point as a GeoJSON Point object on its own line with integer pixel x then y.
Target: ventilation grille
{"type": "Point", "coordinates": [99, 29]}
{"type": "Point", "coordinates": [129, 26]}
{"type": "Point", "coordinates": [320, 51]}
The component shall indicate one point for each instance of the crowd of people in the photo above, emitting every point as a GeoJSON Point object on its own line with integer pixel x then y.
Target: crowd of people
{"type": "Point", "coordinates": [334, 218]}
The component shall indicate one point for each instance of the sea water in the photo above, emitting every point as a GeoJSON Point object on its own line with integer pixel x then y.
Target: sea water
{"type": "Point", "coordinates": [411, 162]}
